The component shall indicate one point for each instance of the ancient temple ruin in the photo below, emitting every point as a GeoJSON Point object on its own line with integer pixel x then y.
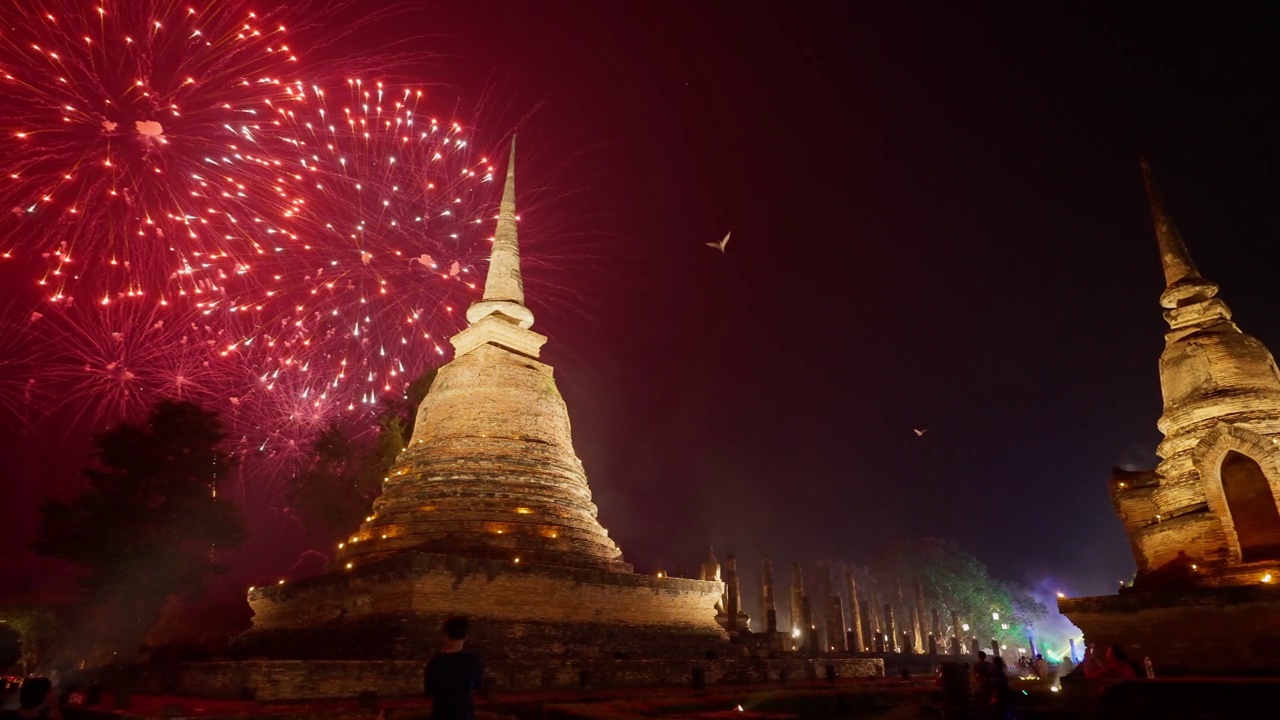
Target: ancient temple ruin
{"type": "Point", "coordinates": [487, 512]}
{"type": "Point", "coordinates": [1204, 525]}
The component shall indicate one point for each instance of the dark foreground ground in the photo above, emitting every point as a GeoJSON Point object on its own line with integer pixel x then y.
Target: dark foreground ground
{"type": "Point", "coordinates": [880, 699]}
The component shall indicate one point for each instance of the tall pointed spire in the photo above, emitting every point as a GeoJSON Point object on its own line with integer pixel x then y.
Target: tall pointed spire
{"type": "Point", "coordinates": [504, 285]}
{"type": "Point", "coordinates": [1174, 257]}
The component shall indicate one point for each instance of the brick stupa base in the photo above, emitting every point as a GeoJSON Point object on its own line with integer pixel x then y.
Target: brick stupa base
{"type": "Point", "coordinates": [1206, 631]}
{"type": "Point", "coordinates": [392, 609]}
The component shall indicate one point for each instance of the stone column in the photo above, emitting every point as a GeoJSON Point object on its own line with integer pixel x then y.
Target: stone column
{"type": "Point", "coordinates": [916, 640]}
{"type": "Point", "coordinates": [733, 594]}
{"type": "Point", "coordinates": [995, 647]}
{"type": "Point", "coordinates": [835, 615]}
{"type": "Point", "coordinates": [809, 630]}
{"type": "Point", "coordinates": [797, 603]}
{"type": "Point", "coordinates": [900, 611]}
{"type": "Point", "coordinates": [1031, 644]}
{"type": "Point", "coordinates": [918, 617]}
{"type": "Point", "coordinates": [767, 606]}
{"type": "Point", "coordinates": [873, 612]}
{"type": "Point", "coordinates": [855, 616]}
{"type": "Point", "coordinates": [933, 644]}
{"type": "Point", "coordinates": [890, 627]}
{"type": "Point", "coordinates": [1073, 649]}
{"type": "Point", "coordinates": [955, 631]}
{"type": "Point", "coordinates": [935, 628]}
{"type": "Point", "coordinates": [907, 642]}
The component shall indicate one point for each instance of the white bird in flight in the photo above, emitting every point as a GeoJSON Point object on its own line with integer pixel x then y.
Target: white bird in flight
{"type": "Point", "coordinates": [720, 245]}
{"type": "Point", "coordinates": [919, 432]}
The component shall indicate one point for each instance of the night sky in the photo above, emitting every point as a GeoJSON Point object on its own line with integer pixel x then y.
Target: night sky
{"type": "Point", "coordinates": [938, 222]}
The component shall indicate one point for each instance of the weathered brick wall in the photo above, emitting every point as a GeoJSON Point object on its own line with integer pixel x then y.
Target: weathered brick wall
{"type": "Point", "coordinates": [278, 680]}
{"type": "Point", "coordinates": [1221, 393]}
{"type": "Point", "coordinates": [1227, 630]}
{"type": "Point", "coordinates": [490, 472]}
{"type": "Point", "coordinates": [393, 609]}
{"type": "Point", "coordinates": [427, 585]}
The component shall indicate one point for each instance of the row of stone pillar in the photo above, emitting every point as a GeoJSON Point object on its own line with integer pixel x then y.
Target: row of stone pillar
{"type": "Point", "coordinates": [868, 630]}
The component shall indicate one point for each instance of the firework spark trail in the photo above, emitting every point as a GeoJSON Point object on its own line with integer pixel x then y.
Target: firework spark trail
{"type": "Point", "coordinates": [209, 217]}
{"type": "Point", "coordinates": [116, 361]}
{"type": "Point", "coordinates": [122, 156]}
{"type": "Point", "coordinates": [390, 218]}
{"type": "Point", "coordinates": [128, 163]}
{"type": "Point", "coordinates": [24, 354]}
{"type": "Point", "coordinates": [156, 153]}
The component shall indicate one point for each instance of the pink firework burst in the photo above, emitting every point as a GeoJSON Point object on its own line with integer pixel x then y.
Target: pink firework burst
{"type": "Point", "coordinates": [122, 160]}
{"type": "Point", "coordinates": [114, 361]}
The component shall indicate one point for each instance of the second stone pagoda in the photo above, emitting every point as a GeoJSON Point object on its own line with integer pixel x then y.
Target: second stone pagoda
{"type": "Point", "coordinates": [486, 513]}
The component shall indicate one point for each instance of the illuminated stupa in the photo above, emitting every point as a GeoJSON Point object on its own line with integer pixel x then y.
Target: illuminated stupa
{"type": "Point", "coordinates": [488, 513]}
{"type": "Point", "coordinates": [1204, 525]}
{"type": "Point", "coordinates": [491, 471]}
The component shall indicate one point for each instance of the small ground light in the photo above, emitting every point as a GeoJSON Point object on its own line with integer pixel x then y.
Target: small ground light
{"type": "Point", "coordinates": [1266, 578]}
{"type": "Point", "coordinates": [1061, 595]}
{"type": "Point", "coordinates": [280, 583]}
{"type": "Point", "coordinates": [349, 566]}
{"type": "Point", "coordinates": [250, 588]}
{"type": "Point", "coordinates": [661, 574]}
{"type": "Point", "coordinates": [517, 559]}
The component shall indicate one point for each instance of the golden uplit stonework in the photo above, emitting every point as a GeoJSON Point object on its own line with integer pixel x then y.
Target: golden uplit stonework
{"type": "Point", "coordinates": [1212, 500]}
{"type": "Point", "coordinates": [487, 512]}
{"type": "Point", "coordinates": [1204, 525]}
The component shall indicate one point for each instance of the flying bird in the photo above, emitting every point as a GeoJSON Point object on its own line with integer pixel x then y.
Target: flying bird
{"type": "Point", "coordinates": [720, 245]}
{"type": "Point", "coordinates": [919, 432]}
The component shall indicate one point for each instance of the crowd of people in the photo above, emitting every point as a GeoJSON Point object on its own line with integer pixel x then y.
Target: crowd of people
{"type": "Point", "coordinates": [31, 699]}
{"type": "Point", "coordinates": [990, 679]}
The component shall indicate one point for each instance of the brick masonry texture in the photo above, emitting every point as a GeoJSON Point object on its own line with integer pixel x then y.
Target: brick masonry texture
{"type": "Point", "coordinates": [1203, 525]}
{"type": "Point", "coordinates": [393, 608]}
{"type": "Point", "coordinates": [1224, 630]}
{"type": "Point", "coordinates": [1221, 392]}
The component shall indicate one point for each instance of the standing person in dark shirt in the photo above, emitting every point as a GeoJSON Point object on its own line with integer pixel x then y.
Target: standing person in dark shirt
{"type": "Point", "coordinates": [453, 675]}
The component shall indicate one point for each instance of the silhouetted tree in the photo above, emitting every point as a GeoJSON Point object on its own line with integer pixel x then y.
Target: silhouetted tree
{"type": "Point", "coordinates": [10, 646]}
{"type": "Point", "coordinates": [148, 524]}
{"type": "Point", "coordinates": [954, 579]}
{"type": "Point", "coordinates": [41, 631]}
{"type": "Point", "coordinates": [334, 493]}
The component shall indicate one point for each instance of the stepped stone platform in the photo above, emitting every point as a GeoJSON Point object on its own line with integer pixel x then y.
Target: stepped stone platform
{"type": "Point", "coordinates": [392, 608]}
